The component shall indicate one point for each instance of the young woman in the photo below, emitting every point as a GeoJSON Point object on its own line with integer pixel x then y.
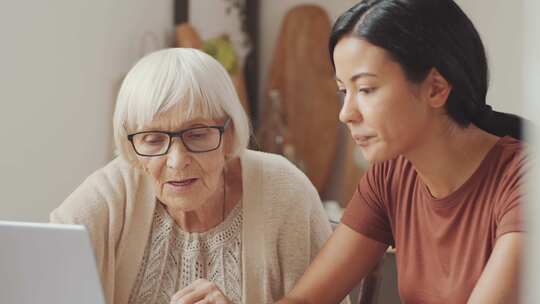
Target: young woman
{"type": "Point", "coordinates": [443, 190]}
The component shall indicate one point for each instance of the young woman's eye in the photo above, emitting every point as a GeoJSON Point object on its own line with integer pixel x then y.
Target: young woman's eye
{"type": "Point", "coordinates": [366, 90]}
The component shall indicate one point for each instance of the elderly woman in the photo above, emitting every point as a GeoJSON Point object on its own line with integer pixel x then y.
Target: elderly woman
{"type": "Point", "coordinates": [186, 214]}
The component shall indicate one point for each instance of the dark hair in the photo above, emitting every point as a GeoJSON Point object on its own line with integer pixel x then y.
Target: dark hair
{"type": "Point", "coordinates": [421, 35]}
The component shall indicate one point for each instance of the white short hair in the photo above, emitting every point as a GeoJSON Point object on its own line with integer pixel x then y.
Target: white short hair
{"type": "Point", "coordinates": [166, 78]}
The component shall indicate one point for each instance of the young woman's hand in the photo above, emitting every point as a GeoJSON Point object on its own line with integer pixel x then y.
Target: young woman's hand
{"type": "Point", "coordinates": [201, 292]}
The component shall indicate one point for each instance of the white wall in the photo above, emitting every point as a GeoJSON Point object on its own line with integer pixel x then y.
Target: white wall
{"type": "Point", "coordinates": [61, 63]}
{"type": "Point", "coordinates": [500, 25]}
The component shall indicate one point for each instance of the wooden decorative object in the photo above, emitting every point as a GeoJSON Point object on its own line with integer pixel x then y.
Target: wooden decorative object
{"type": "Point", "coordinates": [187, 36]}
{"type": "Point", "coordinates": [303, 77]}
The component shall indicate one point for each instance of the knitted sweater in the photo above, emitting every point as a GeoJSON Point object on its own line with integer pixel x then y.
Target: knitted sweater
{"type": "Point", "coordinates": [284, 224]}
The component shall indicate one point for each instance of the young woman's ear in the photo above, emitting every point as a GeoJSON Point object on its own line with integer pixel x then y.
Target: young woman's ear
{"type": "Point", "coordinates": [438, 89]}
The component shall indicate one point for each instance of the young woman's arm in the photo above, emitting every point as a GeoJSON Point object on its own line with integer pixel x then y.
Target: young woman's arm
{"type": "Point", "coordinates": [500, 280]}
{"type": "Point", "coordinates": [344, 260]}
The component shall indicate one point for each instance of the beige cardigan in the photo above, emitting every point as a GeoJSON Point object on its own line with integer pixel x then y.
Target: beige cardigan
{"type": "Point", "coordinates": [284, 224]}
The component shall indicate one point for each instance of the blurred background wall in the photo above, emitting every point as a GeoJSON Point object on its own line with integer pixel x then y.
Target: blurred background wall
{"type": "Point", "coordinates": [61, 63]}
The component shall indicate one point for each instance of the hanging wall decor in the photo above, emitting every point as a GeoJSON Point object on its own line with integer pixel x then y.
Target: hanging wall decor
{"type": "Point", "coordinates": [225, 29]}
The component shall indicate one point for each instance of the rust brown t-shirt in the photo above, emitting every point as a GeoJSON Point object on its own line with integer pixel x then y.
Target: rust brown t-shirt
{"type": "Point", "coordinates": [442, 244]}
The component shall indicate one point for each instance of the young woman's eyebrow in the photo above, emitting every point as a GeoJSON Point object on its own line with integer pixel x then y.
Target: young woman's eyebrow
{"type": "Point", "coordinates": [357, 76]}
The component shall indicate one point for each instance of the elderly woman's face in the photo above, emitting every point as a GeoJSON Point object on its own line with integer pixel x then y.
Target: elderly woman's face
{"type": "Point", "coordinates": [185, 180]}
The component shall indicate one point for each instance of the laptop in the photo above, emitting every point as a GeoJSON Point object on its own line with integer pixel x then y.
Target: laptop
{"type": "Point", "coordinates": [47, 263]}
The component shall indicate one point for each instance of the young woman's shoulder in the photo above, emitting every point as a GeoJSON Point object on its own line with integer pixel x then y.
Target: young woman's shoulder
{"type": "Point", "coordinates": [510, 158]}
{"type": "Point", "coordinates": [512, 148]}
{"type": "Point", "coordinates": [508, 166]}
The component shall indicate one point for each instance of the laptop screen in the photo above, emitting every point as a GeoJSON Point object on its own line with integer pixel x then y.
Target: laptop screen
{"type": "Point", "coordinates": [47, 263]}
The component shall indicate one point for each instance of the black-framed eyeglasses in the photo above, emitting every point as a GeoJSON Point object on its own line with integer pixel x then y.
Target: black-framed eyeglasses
{"type": "Point", "coordinates": [196, 140]}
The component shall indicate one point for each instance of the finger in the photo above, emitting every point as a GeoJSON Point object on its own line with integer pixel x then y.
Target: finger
{"type": "Point", "coordinates": [190, 288]}
{"type": "Point", "coordinates": [217, 297]}
{"type": "Point", "coordinates": [184, 291]}
{"type": "Point", "coordinates": [200, 291]}
{"type": "Point", "coordinates": [212, 301]}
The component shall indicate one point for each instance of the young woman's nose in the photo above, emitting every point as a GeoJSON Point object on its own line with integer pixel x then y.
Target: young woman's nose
{"type": "Point", "coordinates": [178, 157]}
{"type": "Point", "coordinates": [350, 111]}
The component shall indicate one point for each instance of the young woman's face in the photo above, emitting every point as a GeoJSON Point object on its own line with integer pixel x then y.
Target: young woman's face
{"type": "Point", "coordinates": [186, 180]}
{"type": "Point", "coordinates": [385, 113]}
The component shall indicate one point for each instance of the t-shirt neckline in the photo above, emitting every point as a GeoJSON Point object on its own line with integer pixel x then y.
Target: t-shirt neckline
{"type": "Point", "coordinates": [449, 200]}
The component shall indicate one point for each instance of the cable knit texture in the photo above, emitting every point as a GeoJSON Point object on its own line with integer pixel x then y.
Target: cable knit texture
{"type": "Point", "coordinates": [284, 225]}
{"type": "Point", "coordinates": [174, 258]}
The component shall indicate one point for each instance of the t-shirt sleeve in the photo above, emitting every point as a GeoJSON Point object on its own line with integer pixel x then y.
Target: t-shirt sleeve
{"type": "Point", "coordinates": [366, 212]}
{"type": "Point", "coordinates": [509, 210]}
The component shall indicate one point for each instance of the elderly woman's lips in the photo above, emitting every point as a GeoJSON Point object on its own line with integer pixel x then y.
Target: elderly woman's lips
{"type": "Point", "coordinates": [181, 184]}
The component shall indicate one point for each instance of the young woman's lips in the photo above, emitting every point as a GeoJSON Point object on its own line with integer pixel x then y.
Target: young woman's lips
{"type": "Point", "coordinates": [363, 141]}
{"type": "Point", "coordinates": [181, 185]}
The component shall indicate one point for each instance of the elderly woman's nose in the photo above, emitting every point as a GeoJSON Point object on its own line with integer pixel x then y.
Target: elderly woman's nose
{"type": "Point", "coordinates": [178, 156]}
{"type": "Point", "coordinates": [350, 111]}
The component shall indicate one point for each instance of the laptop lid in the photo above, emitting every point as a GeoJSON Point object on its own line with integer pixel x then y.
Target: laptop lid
{"type": "Point", "coordinates": [47, 263]}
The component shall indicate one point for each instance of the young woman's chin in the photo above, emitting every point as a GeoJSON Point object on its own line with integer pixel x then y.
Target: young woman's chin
{"type": "Point", "coordinates": [376, 153]}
